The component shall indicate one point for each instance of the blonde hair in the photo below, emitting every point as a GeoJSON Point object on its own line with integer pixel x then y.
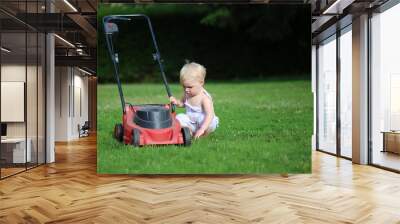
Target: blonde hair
{"type": "Point", "coordinates": [192, 71]}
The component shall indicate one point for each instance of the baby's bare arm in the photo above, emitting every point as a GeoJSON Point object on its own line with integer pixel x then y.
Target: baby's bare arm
{"type": "Point", "coordinates": [175, 101]}
{"type": "Point", "coordinates": [208, 107]}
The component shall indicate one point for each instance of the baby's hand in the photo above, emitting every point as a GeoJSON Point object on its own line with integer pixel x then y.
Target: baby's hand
{"type": "Point", "coordinates": [199, 133]}
{"type": "Point", "coordinates": [173, 100]}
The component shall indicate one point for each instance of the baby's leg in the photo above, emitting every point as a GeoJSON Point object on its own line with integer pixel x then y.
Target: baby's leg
{"type": "Point", "coordinates": [185, 121]}
{"type": "Point", "coordinates": [213, 126]}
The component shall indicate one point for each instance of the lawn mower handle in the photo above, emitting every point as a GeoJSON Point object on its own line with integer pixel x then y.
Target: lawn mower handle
{"type": "Point", "coordinates": [114, 56]}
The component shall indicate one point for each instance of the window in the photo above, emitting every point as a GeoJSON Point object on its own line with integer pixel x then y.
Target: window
{"type": "Point", "coordinates": [327, 95]}
{"type": "Point", "coordinates": [385, 88]}
{"type": "Point", "coordinates": [22, 68]}
{"type": "Point", "coordinates": [346, 92]}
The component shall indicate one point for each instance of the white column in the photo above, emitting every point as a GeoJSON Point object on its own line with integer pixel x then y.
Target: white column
{"type": "Point", "coordinates": [50, 110]}
{"type": "Point", "coordinates": [360, 90]}
{"type": "Point", "coordinates": [50, 92]}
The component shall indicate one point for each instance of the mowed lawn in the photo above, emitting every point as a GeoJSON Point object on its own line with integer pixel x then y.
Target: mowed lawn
{"type": "Point", "coordinates": [265, 127]}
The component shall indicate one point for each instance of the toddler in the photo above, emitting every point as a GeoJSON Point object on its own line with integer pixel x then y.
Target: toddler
{"type": "Point", "coordinates": [199, 116]}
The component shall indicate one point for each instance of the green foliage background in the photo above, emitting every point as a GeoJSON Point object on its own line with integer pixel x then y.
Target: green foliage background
{"type": "Point", "coordinates": [231, 41]}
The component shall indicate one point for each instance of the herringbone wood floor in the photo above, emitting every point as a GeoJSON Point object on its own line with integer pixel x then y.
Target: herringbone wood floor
{"type": "Point", "coordinates": [70, 191]}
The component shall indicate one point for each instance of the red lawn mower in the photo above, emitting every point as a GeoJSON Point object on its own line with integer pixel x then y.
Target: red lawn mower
{"type": "Point", "coordinates": [148, 124]}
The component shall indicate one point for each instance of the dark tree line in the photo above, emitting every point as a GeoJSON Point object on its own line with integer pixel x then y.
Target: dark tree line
{"type": "Point", "coordinates": [232, 41]}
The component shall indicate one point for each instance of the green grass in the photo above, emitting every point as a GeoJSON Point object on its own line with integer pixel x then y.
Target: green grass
{"type": "Point", "coordinates": [265, 127]}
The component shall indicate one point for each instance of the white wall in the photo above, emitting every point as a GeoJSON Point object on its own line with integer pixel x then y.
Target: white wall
{"type": "Point", "coordinates": [13, 100]}
{"type": "Point", "coordinates": [61, 103]}
{"type": "Point", "coordinates": [81, 89]}
{"type": "Point", "coordinates": [71, 94]}
{"type": "Point", "coordinates": [14, 72]}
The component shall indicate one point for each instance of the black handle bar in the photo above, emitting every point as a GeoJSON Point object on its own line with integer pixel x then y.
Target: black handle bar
{"type": "Point", "coordinates": [110, 29]}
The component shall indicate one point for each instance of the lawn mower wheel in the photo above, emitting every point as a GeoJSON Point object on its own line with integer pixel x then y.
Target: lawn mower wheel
{"type": "Point", "coordinates": [187, 138]}
{"type": "Point", "coordinates": [136, 137]}
{"type": "Point", "coordinates": [119, 132]}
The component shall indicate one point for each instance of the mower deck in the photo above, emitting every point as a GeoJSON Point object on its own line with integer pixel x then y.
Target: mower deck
{"type": "Point", "coordinates": [151, 125]}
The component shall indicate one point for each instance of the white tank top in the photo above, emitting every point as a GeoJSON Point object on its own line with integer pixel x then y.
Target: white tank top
{"type": "Point", "coordinates": [196, 113]}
